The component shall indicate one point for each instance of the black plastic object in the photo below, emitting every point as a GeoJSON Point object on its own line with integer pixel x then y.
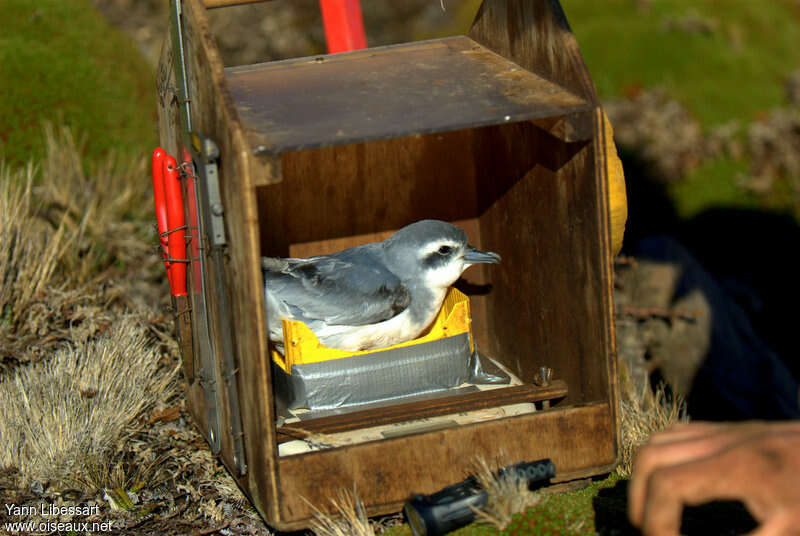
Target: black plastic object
{"type": "Point", "coordinates": [453, 506]}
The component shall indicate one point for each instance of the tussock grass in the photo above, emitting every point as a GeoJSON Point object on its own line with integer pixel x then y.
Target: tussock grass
{"type": "Point", "coordinates": [87, 362]}
{"type": "Point", "coordinates": [350, 520]}
{"type": "Point", "coordinates": [508, 494]}
{"type": "Point", "coordinates": [644, 412]}
{"type": "Point", "coordinates": [106, 209]}
{"type": "Point", "coordinates": [29, 251]}
{"type": "Point", "coordinates": [69, 415]}
{"type": "Point", "coordinates": [76, 248]}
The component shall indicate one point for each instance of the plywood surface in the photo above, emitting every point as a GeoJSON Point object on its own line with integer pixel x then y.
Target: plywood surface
{"type": "Point", "coordinates": [388, 92]}
{"type": "Point", "coordinates": [427, 462]}
{"type": "Point", "coordinates": [536, 35]}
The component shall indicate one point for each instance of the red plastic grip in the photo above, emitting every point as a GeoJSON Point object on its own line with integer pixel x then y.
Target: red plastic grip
{"type": "Point", "coordinates": [344, 27]}
{"type": "Point", "coordinates": [161, 205]}
{"type": "Point", "coordinates": [176, 220]}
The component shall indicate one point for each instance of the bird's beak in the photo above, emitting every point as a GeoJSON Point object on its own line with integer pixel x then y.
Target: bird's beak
{"type": "Point", "coordinates": [474, 256]}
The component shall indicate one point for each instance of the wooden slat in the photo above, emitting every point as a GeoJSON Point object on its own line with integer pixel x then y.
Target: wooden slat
{"type": "Point", "coordinates": [539, 216]}
{"type": "Point", "coordinates": [606, 237]}
{"type": "Point", "coordinates": [363, 189]}
{"type": "Point", "coordinates": [428, 408]}
{"type": "Point", "coordinates": [536, 35]}
{"type": "Point", "coordinates": [387, 472]}
{"type": "Point", "coordinates": [389, 92]}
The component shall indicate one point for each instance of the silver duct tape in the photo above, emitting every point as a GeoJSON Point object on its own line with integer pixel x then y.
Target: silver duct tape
{"type": "Point", "coordinates": [380, 376]}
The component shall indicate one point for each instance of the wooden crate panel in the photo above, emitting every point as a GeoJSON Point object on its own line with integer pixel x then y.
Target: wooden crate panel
{"type": "Point", "coordinates": [557, 434]}
{"type": "Point", "coordinates": [388, 92]}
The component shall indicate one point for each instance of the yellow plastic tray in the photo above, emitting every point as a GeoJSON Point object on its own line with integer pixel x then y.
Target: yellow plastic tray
{"type": "Point", "coordinates": [303, 347]}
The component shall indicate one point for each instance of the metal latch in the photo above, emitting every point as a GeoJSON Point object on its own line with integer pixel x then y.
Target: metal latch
{"type": "Point", "coordinates": [206, 153]}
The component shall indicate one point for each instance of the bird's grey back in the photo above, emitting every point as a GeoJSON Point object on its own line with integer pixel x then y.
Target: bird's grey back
{"type": "Point", "coordinates": [350, 287]}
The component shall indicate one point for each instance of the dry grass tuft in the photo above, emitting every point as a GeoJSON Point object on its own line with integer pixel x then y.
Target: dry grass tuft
{"type": "Point", "coordinates": [89, 381]}
{"type": "Point", "coordinates": [508, 495]}
{"type": "Point", "coordinates": [106, 209]}
{"type": "Point", "coordinates": [29, 251]}
{"type": "Point", "coordinates": [76, 249]}
{"type": "Point", "coordinates": [351, 520]}
{"type": "Point", "coordinates": [111, 470]}
{"type": "Point", "coordinates": [68, 415]}
{"type": "Point", "coordinates": [644, 412]}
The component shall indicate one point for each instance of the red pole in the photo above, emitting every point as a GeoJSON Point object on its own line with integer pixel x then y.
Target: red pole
{"type": "Point", "coordinates": [344, 27]}
{"type": "Point", "coordinates": [176, 220]}
{"type": "Point", "coordinates": [161, 206]}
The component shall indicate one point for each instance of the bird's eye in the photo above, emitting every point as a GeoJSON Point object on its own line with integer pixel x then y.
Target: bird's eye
{"type": "Point", "coordinates": [444, 250]}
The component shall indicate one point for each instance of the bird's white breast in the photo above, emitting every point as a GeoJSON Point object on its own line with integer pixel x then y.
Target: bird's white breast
{"type": "Point", "coordinates": [400, 328]}
{"type": "Point", "coordinates": [397, 329]}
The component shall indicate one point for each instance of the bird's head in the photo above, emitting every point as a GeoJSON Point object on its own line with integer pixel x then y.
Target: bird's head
{"type": "Point", "coordinates": [433, 253]}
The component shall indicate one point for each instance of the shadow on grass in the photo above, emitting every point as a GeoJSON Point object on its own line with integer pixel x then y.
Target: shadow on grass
{"type": "Point", "coordinates": [719, 518]}
{"type": "Point", "coordinates": [737, 258]}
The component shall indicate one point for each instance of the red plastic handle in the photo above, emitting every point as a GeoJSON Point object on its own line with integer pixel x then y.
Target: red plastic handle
{"type": "Point", "coordinates": [344, 27]}
{"type": "Point", "coordinates": [176, 220]}
{"type": "Point", "coordinates": [161, 205]}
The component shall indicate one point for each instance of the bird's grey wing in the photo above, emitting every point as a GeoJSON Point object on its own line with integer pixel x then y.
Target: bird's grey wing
{"type": "Point", "coordinates": [335, 290]}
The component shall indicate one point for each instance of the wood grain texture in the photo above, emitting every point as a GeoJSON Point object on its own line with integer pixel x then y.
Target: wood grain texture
{"type": "Point", "coordinates": [603, 145]}
{"type": "Point", "coordinates": [169, 126]}
{"type": "Point", "coordinates": [350, 190]}
{"type": "Point", "coordinates": [169, 120]}
{"type": "Point", "coordinates": [332, 245]}
{"type": "Point", "coordinates": [536, 35]}
{"type": "Point", "coordinates": [183, 327]}
{"type": "Point", "coordinates": [540, 213]}
{"type": "Point", "coordinates": [217, 118]}
{"type": "Point", "coordinates": [389, 92]}
{"type": "Point", "coordinates": [388, 471]}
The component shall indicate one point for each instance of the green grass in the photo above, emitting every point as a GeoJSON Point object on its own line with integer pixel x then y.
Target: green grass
{"type": "Point", "coordinates": [735, 72]}
{"type": "Point", "coordinates": [562, 514]}
{"type": "Point", "coordinates": [601, 508]}
{"type": "Point", "coordinates": [61, 62]}
{"type": "Point", "coordinates": [714, 183]}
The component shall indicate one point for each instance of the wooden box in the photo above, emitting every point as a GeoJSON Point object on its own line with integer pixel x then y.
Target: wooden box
{"type": "Point", "coordinates": [499, 131]}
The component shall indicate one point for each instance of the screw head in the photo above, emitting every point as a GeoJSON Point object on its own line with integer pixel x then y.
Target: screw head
{"type": "Point", "coordinates": [544, 377]}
